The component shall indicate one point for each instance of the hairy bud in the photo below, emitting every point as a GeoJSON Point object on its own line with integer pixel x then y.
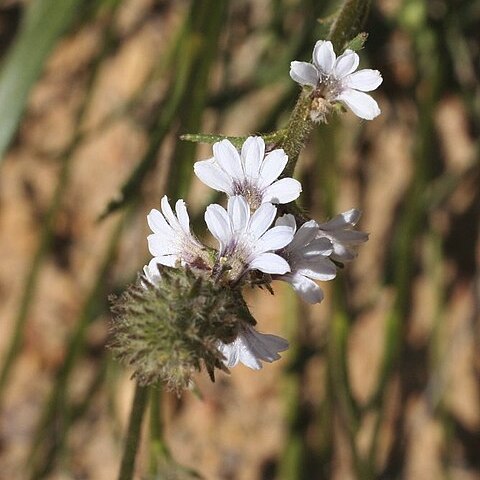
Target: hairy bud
{"type": "Point", "coordinates": [169, 330]}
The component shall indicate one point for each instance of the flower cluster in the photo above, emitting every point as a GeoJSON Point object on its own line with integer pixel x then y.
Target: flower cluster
{"type": "Point", "coordinates": [191, 293]}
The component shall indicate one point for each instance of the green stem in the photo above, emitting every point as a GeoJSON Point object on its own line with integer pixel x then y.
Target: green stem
{"type": "Point", "coordinates": [132, 440]}
{"type": "Point", "coordinates": [349, 22]}
{"type": "Point", "coordinates": [298, 129]}
{"type": "Point", "coordinates": [158, 448]}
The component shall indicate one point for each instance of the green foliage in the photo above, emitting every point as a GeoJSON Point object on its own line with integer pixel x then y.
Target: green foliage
{"type": "Point", "coordinates": [358, 42]}
{"type": "Point", "coordinates": [270, 138]}
{"type": "Point", "coordinates": [44, 22]}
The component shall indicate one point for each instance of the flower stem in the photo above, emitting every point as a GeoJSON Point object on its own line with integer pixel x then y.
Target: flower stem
{"type": "Point", "coordinates": [299, 127]}
{"type": "Point", "coordinates": [132, 440]}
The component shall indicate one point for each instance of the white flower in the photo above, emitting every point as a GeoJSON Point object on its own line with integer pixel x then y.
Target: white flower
{"type": "Point", "coordinates": [246, 242]}
{"type": "Point", "coordinates": [251, 347]}
{"type": "Point", "coordinates": [307, 256]}
{"type": "Point", "coordinates": [339, 230]}
{"type": "Point", "coordinates": [172, 241]}
{"type": "Point", "coordinates": [251, 173]}
{"type": "Point", "coordinates": [336, 80]}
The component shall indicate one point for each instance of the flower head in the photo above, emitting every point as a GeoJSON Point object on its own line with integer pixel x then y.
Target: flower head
{"type": "Point", "coordinates": [172, 240]}
{"type": "Point", "coordinates": [339, 230]}
{"type": "Point", "coordinates": [250, 173]}
{"type": "Point", "coordinates": [336, 80]}
{"type": "Point", "coordinates": [307, 256]}
{"type": "Point", "coordinates": [169, 329]}
{"type": "Point", "coordinates": [246, 242]}
{"type": "Point", "coordinates": [251, 347]}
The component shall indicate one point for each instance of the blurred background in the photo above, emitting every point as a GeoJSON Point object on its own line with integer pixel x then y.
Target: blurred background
{"type": "Point", "coordinates": [382, 379]}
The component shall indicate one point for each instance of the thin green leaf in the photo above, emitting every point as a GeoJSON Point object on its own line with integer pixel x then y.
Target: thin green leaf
{"type": "Point", "coordinates": [44, 22]}
{"type": "Point", "coordinates": [358, 42]}
{"type": "Point", "coordinates": [274, 137]}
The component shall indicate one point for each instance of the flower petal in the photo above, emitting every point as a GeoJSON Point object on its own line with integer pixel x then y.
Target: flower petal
{"type": "Point", "coordinates": [231, 352]}
{"type": "Point", "coordinates": [288, 220]}
{"type": "Point", "coordinates": [349, 237]}
{"type": "Point", "coordinates": [364, 80]}
{"type": "Point", "coordinates": [269, 263]}
{"type": "Point", "coordinates": [157, 223]}
{"type": "Point", "coordinates": [324, 56]}
{"type": "Point", "coordinates": [167, 260]}
{"type": "Point", "coordinates": [361, 104]}
{"type": "Point", "coordinates": [182, 215]}
{"type": "Point", "coordinates": [238, 212]}
{"type": "Point", "coordinates": [348, 218]}
{"type": "Point", "coordinates": [274, 239]}
{"type": "Point", "coordinates": [305, 234]}
{"type": "Point", "coordinates": [228, 158]}
{"type": "Point", "coordinates": [346, 64]}
{"type": "Point", "coordinates": [264, 346]}
{"type": "Point", "coordinates": [282, 191]}
{"type": "Point", "coordinates": [253, 151]}
{"type": "Point", "coordinates": [151, 272]}
{"type": "Point", "coordinates": [304, 73]}
{"type": "Point", "coordinates": [272, 166]}
{"type": "Point", "coordinates": [262, 219]}
{"type": "Point", "coordinates": [168, 213]}
{"type": "Point", "coordinates": [159, 245]}
{"type": "Point", "coordinates": [213, 176]}
{"type": "Point", "coordinates": [306, 288]}
{"type": "Point", "coordinates": [218, 223]}
{"type": "Point", "coordinates": [248, 358]}
{"type": "Point", "coordinates": [342, 253]}
{"type": "Point", "coordinates": [320, 269]}
{"type": "Point", "coordinates": [320, 246]}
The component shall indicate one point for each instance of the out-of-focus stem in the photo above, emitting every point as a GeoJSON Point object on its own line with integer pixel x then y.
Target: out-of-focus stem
{"type": "Point", "coordinates": [132, 440]}
{"type": "Point", "coordinates": [158, 447]}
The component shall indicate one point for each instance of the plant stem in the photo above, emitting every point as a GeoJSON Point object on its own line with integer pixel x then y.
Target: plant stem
{"type": "Point", "coordinates": [298, 129]}
{"type": "Point", "coordinates": [159, 452]}
{"type": "Point", "coordinates": [132, 440]}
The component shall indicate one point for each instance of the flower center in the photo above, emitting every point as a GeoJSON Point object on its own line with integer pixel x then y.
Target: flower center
{"type": "Point", "coordinates": [328, 87]}
{"type": "Point", "coordinates": [252, 194]}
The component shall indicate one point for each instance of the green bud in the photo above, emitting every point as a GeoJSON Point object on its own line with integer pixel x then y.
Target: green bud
{"type": "Point", "coordinates": [166, 332]}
